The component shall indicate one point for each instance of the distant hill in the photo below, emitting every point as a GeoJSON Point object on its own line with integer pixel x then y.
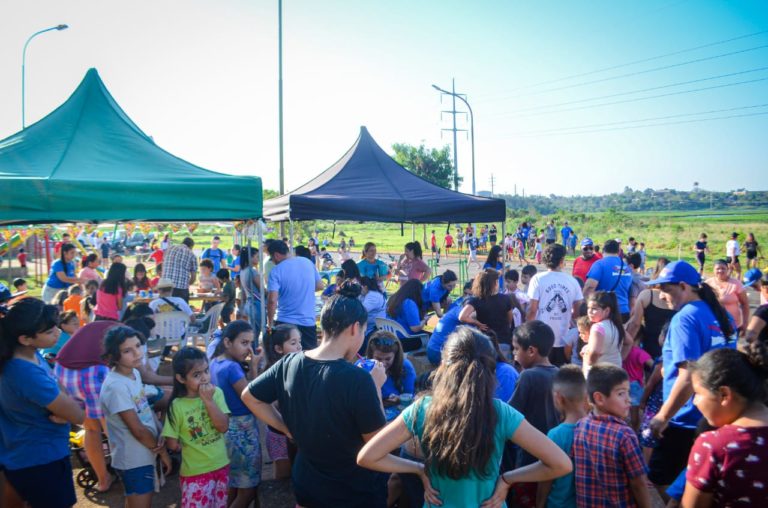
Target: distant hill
{"type": "Point", "coordinates": [636, 201]}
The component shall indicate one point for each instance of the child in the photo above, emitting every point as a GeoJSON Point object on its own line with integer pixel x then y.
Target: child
{"type": "Point", "coordinates": [208, 283]}
{"type": "Point", "coordinates": [20, 285]}
{"type": "Point", "coordinates": [243, 445]}
{"type": "Point", "coordinates": [69, 323]}
{"type": "Point", "coordinates": [228, 294]}
{"type": "Point", "coordinates": [58, 299]}
{"type": "Point", "coordinates": [472, 244]}
{"type": "Point", "coordinates": [88, 302]}
{"type": "Point", "coordinates": [158, 274]}
{"type": "Point", "coordinates": [462, 432]}
{"type": "Point", "coordinates": [74, 300]}
{"type": "Point", "coordinates": [636, 364]}
{"type": "Point", "coordinates": [583, 325]}
{"type": "Point", "coordinates": [283, 340]}
{"type": "Point", "coordinates": [532, 343]}
{"type": "Point", "coordinates": [140, 277]}
{"type": "Point", "coordinates": [606, 336]}
{"type": "Point", "coordinates": [22, 258]}
{"type": "Point", "coordinates": [609, 466]}
{"type": "Point", "coordinates": [132, 427]}
{"type": "Point", "coordinates": [526, 274]}
{"type": "Point", "coordinates": [198, 418]}
{"type": "Point", "coordinates": [521, 300]}
{"type": "Point", "coordinates": [727, 467]}
{"type": "Point", "coordinates": [539, 250]}
{"type": "Point", "coordinates": [385, 347]}
{"type": "Point", "coordinates": [569, 391]}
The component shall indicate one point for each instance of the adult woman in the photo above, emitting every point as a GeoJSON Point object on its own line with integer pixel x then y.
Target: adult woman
{"type": "Point", "coordinates": [487, 309]}
{"type": "Point", "coordinates": [111, 293]}
{"type": "Point", "coordinates": [329, 407]}
{"type": "Point", "coordinates": [463, 433]}
{"type": "Point", "coordinates": [407, 308]}
{"type": "Point", "coordinates": [371, 267]}
{"type": "Point", "coordinates": [494, 261]}
{"type": "Point", "coordinates": [652, 312]}
{"type": "Point", "coordinates": [436, 295]}
{"type": "Point", "coordinates": [701, 324]}
{"type": "Point", "coordinates": [753, 251]}
{"type": "Point", "coordinates": [88, 271]}
{"type": "Point", "coordinates": [374, 302]}
{"type": "Point", "coordinates": [250, 283]}
{"type": "Point", "coordinates": [701, 249]}
{"type": "Point", "coordinates": [35, 415]}
{"type": "Point", "coordinates": [62, 273]}
{"type": "Point", "coordinates": [730, 293]}
{"type": "Point", "coordinates": [411, 265]}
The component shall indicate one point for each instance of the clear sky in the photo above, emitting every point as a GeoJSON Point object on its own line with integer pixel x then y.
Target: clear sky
{"type": "Point", "coordinates": [200, 76]}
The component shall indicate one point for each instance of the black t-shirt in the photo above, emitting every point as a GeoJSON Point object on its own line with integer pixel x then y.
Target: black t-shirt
{"type": "Point", "coordinates": [533, 398]}
{"type": "Point", "coordinates": [327, 406]}
{"type": "Point", "coordinates": [751, 248]}
{"type": "Point", "coordinates": [762, 313]}
{"type": "Point", "coordinates": [493, 312]}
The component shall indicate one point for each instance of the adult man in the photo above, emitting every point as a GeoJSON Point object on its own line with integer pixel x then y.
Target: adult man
{"type": "Point", "coordinates": [566, 233]}
{"type": "Point", "coordinates": [180, 266]}
{"type": "Point", "coordinates": [165, 302]}
{"type": "Point", "coordinates": [583, 263]}
{"type": "Point", "coordinates": [550, 232]}
{"type": "Point", "coordinates": [292, 285]}
{"type": "Point", "coordinates": [215, 254]}
{"type": "Point", "coordinates": [611, 274]}
{"type": "Point", "coordinates": [554, 297]}
{"type": "Point", "coordinates": [732, 253]}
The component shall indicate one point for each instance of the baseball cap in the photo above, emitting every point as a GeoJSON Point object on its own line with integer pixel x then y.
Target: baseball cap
{"type": "Point", "coordinates": [753, 275]}
{"type": "Point", "coordinates": [677, 271]}
{"type": "Point", "coordinates": [587, 242]}
{"type": "Point", "coordinates": [164, 284]}
{"type": "Point", "coordinates": [734, 234]}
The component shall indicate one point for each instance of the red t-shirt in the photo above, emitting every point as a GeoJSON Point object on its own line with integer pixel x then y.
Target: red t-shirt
{"type": "Point", "coordinates": [732, 464]}
{"type": "Point", "coordinates": [157, 256]}
{"type": "Point", "coordinates": [448, 241]}
{"type": "Point", "coordinates": [581, 266]}
{"type": "Point", "coordinates": [22, 257]}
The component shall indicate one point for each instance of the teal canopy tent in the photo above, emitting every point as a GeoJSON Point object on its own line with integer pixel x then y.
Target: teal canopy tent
{"type": "Point", "coordinates": [88, 162]}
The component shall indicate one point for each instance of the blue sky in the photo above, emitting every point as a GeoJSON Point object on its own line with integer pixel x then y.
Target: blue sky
{"type": "Point", "coordinates": [201, 78]}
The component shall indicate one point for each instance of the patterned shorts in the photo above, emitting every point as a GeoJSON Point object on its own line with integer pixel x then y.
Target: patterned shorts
{"type": "Point", "coordinates": [207, 490]}
{"type": "Point", "coordinates": [277, 446]}
{"type": "Point", "coordinates": [84, 385]}
{"type": "Point", "coordinates": [244, 451]}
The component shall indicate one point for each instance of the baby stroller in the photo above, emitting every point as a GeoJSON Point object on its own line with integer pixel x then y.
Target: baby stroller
{"type": "Point", "coordinates": [86, 478]}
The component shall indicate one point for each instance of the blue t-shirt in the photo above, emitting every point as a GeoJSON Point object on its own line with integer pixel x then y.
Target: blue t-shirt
{"type": "Point", "coordinates": [408, 381]}
{"type": "Point", "coordinates": [27, 437]}
{"type": "Point", "coordinates": [499, 268]}
{"type": "Point", "coordinates": [473, 243]}
{"type": "Point", "coordinates": [524, 233]}
{"type": "Point", "coordinates": [224, 374]}
{"type": "Point", "coordinates": [294, 280]}
{"type": "Point", "coordinates": [408, 315]}
{"type": "Point", "coordinates": [506, 379]}
{"type": "Point", "coordinates": [472, 489]}
{"type": "Point", "coordinates": [433, 292]}
{"type": "Point", "coordinates": [693, 331]}
{"type": "Point", "coordinates": [58, 266]}
{"type": "Point", "coordinates": [677, 488]}
{"type": "Point", "coordinates": [234, 266]}
{"type": "Point", "coordinates": [606, 272]}
{"type": "Point", "coordinates": [444, 328]}
{"type": "Point", "coordinates": [566, 232]}
{"type": "Point", "coordinates": [63, 338]}
{"type": "Point", "coordinates": [563, 491]}
{"type": "Point", "coordinates": [215, 255]}
{"type": "Point", "coordinates": [329, 290]}
{"type": "Point", "coordinates": [372, 270]}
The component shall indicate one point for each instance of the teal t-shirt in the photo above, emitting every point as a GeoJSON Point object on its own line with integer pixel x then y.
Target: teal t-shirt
{"type": "Point", "coordinates": [563, 493]}
{"type": "Point", "coordinates": [472, 490]}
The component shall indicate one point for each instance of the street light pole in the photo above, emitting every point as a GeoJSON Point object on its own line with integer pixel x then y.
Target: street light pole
{"type": "Point", "coordinates": [23, 69]}
{"type": "Point", "coordinates": [471, 128]}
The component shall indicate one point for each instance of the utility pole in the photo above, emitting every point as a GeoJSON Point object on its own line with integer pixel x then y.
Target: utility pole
{"type": "Point", "coordinates": [453, 129]}
{"type": "Point", "coordinates": [492, 181]}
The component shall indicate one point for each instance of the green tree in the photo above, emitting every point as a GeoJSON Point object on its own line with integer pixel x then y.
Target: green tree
{"type": "Point", "coordinates": [433, 165]}
{"type": "Point", "coordinates": [269, 194]}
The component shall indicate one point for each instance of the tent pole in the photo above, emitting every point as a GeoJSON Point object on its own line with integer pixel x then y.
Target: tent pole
{"type": "Point", "coordinates": [503, 237]}
{"type": "Point", "coordinates": [290, 237]}
{"type": "Point", "coordinates": [260, 238]}
{"type": "Point", "coordinates": [413, 232]}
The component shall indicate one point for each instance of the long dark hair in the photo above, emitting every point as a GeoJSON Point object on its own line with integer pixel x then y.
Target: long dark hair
{"type": "Point", "coordinates": [608, 299]}
{"type": "Point", "coordinates": [183, 361]}
{"type": "Point", "coordinates": [113, 339]}
{"type": "Point", "coordinates": [64, 249]}
{"type": "Point", "coordinates": [744, 372]}
{"type": "Point", "coordinates": [410, 290]}
{"type": "Point", "coordinates": [27, 317]}
{"type": "Point", "coordinates": [708, 296]}
{"type": "Point", "coordinates": [387, 342]}
{"type": "Point", "coordinates": [493, 256]}
{"type": "Point", "coordinates": [448, 276]}
{"type": "Point", "coordinates": [230, 332]}
{"type": "Point", "coordinates": [343, 310]}
{"type": "Point", "coordinates": [90, 258]}
{"type": "Point", "coordinates": [414, 247]}
{"type": "Point", "coordinates": [460, 422]}
{"type": "Point", "coordinates": [246, 253]}
{"type": "Point", "coordinates": [351, 270]}
{"type": "Point", "coordinates": [370, 283]}
{"type": "Point", "coordinates": [279, 336]}
{"type": "Point", "coordinates": [115, 281]}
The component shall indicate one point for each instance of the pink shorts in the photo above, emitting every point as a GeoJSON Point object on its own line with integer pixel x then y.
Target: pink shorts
{"type": "Point", "coordinates": [277, 446]}
{"type": "Point", "coordinates": [207, 490]}
{"type": "Point", "coordinates": [84, 386]}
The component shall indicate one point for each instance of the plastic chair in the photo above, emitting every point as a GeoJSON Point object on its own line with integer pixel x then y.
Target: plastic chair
{"type": "Point", "coordinates": [411, 342]}
{"type": "Point", "coordinates": [170, 330]}
{"type": "Point", "coordinates": [212, 317]}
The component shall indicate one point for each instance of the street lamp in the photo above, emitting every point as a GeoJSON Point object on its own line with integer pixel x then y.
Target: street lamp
{"type": "Point", "coordinates": [471, 128]}
{"type": "Point", "coordinates": [23, 65]}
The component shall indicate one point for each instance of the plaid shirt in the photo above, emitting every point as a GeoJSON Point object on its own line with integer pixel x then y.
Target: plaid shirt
{"type": "Point", "coordinates": [606, 456]}
{"type": "Point", "coordinates": [178, 263]}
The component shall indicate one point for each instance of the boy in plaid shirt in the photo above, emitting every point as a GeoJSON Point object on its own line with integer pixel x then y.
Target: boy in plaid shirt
{"type": "Point", "coordinates": [609, 466]}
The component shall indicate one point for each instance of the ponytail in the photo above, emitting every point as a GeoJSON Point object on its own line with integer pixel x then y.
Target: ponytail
{"type": "Point", "coordinates": [743, 371]}
{"type": "Point", "coordinates": [708, 296]}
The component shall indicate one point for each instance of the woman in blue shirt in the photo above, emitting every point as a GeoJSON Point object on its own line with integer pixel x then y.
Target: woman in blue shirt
{"type": "Point", "coordinates": [406, 307]}
{"type": "Point", "coordinates": [371, 267]}
{"type": "Point", "coordinates": [436, 295]}
{"type": "Point", "coordinates": [62, 273]}
{"type": "Point", "coordinates": [493, 261]}
{"type": "Point", "coordinates": [35, 415]}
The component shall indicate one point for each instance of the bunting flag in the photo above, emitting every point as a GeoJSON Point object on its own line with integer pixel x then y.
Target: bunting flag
{"type": "Point", "coordinates": [90, 228]}
{"type": "Point", "coordinates": [239, 226]}
{"type": "Point", "coordinates": [16, 241]}
{"type": "Point", "coordinates": [145, 227]}
{"type": "Point", "coordinates": [175, 227]}
{"type": "Point", "coordinates": [3, 248]}
{"type": "Point", "coordinates": [129, 228]}
{"type": "Point", "coordinates": [192, 226]}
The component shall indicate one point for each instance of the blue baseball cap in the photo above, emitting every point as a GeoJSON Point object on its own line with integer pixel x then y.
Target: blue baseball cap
{"type": "Point", "coordinates": [753, 275]}
{"type": "Point", "coordinates": [587, 242]}
{"type": "Point", "coordinates": [678, 271]}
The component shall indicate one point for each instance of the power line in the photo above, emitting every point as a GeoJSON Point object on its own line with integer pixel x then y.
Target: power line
{"type": "Point", "coordinates": [639, 120]}
{"type": "Point", "coordinates": [653, 125]}
{"type": "Point", "coordinates": [681, 92]}
{"type": "Point", "coordinates": [642, 60]}
{"type": "Point", "coordinates": [679, 83]}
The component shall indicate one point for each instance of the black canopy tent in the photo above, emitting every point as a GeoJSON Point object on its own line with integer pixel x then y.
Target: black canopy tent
{"type": "Point", "coordinates": [366, 184]}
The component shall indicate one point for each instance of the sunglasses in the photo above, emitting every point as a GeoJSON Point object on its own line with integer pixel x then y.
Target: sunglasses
{"type": "Point", "coordinates": [587, 248]}
{"type": "Point", "coordinates": [383, 342]}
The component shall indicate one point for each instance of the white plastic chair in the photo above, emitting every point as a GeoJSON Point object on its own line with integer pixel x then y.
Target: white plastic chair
{"type": "Point", "coordinates": [170, 330]}
{"type": "Point", "coordinates": [212, 316]}
{"type": "Point", "coordinates": [412, 342]}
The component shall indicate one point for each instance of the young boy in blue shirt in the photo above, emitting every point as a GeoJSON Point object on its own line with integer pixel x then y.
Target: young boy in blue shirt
{"type": "Point", "coordinates": [569, 391]}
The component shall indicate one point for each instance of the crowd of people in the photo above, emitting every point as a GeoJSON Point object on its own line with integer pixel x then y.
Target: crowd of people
{"type": "Point", "coordinates": [538, 387]}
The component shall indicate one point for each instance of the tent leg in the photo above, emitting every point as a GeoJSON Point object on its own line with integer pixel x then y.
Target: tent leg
{"type": "Point", "coordinates": [413, 232]}
{"type": "Point", "coordinates": [290, 237]}
{"type": "Point", "coordinates": [260, 239]}
{"type": "Point", "coordinates": [503, 237]}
